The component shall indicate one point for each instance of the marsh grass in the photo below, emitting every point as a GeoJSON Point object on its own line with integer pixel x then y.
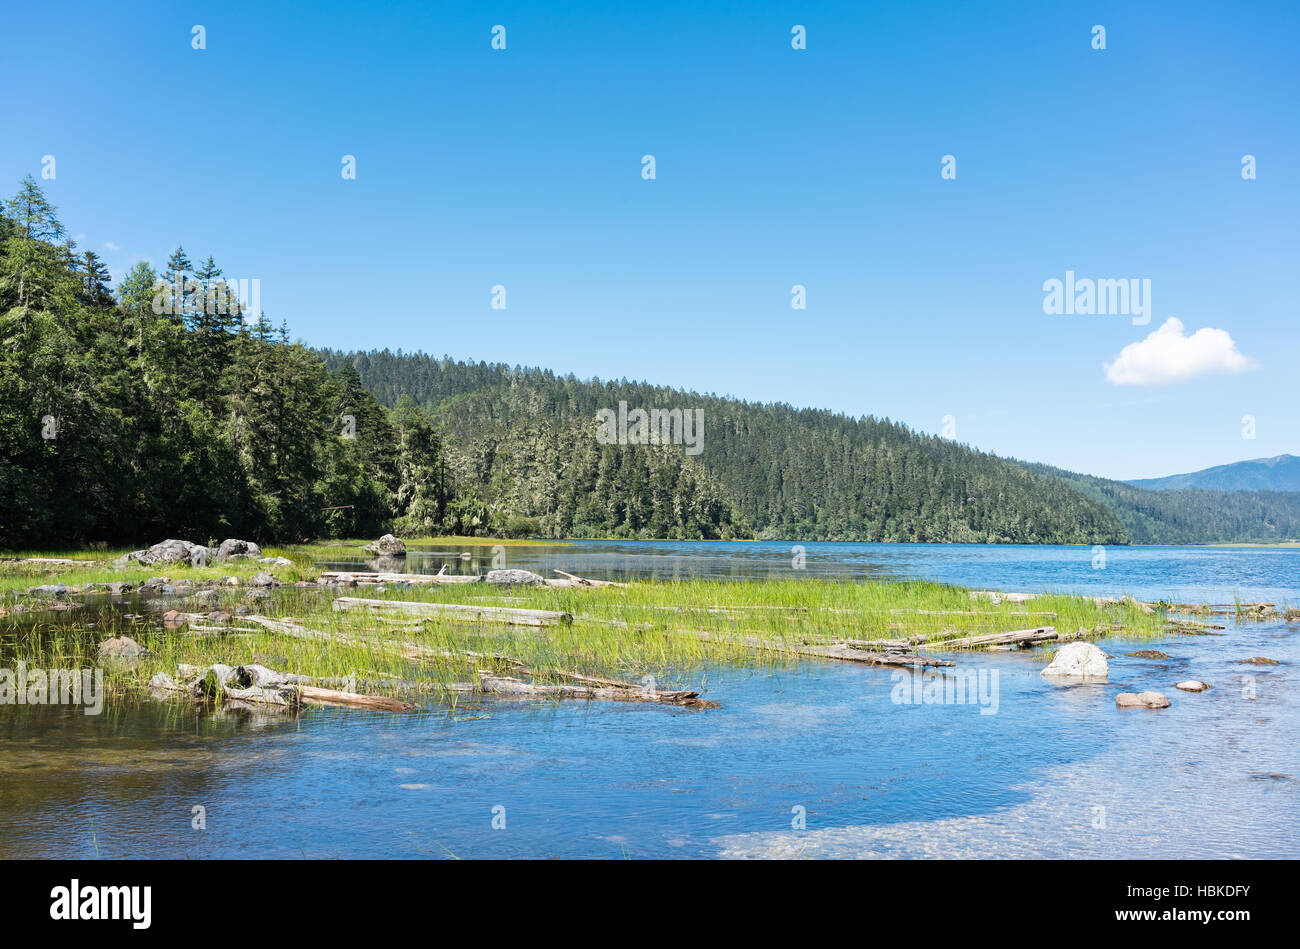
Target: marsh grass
{"type": "Point", "coordinates": [672, 631]}
{"type": "Point", "coordinates": [646, 629]}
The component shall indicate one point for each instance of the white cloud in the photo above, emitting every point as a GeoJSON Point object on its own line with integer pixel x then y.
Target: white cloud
{"type": "Point", "coordinates": [1168, 356]}
{"type": "Point", "coordinates": [111, 246]}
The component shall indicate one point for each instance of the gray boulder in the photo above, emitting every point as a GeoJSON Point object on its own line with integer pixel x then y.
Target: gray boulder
{"type": "Point", "coordinates": [121, 651]}
{"type": "Point", "coordinates": [49, 589]}
{"type": "Point", "coordinates": [524, 578]}
{"type": "Point", "coordinates": [386, 546]}
{"type": "Point", "coordinates": [169, 551]}
{"type": "Point", "coordinates": [238, 548]}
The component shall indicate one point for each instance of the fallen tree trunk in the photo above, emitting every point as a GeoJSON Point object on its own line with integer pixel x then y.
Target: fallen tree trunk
{"type": "Point", "coordinates": [841, 651]}
{"type": "Point", "coordinates": [368, 576]}
{"type": "Point", "coordinates": [1039, 634]}
{"type": "Point", "coordinates": [504, 685]}
{"type": "Point", "coordinates": [583, 582]}
{"type": "Point", "coordinates": [315, 695]}
{"type": "Point", "coordinates": [511, 615]}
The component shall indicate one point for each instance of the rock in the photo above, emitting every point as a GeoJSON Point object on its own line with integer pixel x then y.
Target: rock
{"type": "Point", "coordinates": [277, 561]}
{"type": "Point", "coordinates": [122, 650]}
{"type": "Point", "coordinates": [207, 597]}
{"type": "Point", "coordinates": [237, 548]}
{"type": "Point", "coordinates": [1076, 660]}
{"type": "Point", "coordinates": [346, 580]}
{"type": "Point", "coordinates": [386, 546]}
{"type": "Point", "coordinates": [218, 617]}
{"type": "Point", "coordinates": [173, 618]}
{"type": "Point", "coordinates": [1137, 604]}
{"type": "Point", "coordinates": [49, 589]}
{"type": "Point", "coordinates": [1192, 685]}
{"type": "Point", "coordinates": [251, 676]}
{"type": "Point", "coordinates": [514, 578]}
{"type": "Point", "coordinates": [1260, 661]}
{"type": "Point", "coordinates": [256, 596]}
{"type": "Point", "coordinates": [241, 610]}
{"type": "Point", "coordinates": [214, 678]}
{"type": "Point", "coordinates": [230, 581]}
{"type": "Point", "coordinates": [1147, 654]}
{"type": "Point", "coordinates": [1141, 700]}
{"type": "Point", "coordinates": [169, 551]}
{"type": "Point", "coordinates": [265, 580]}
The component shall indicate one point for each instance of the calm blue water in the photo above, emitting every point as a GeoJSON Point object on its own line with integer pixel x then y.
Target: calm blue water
{"type": "Point", "coordinates": [1176, 574]}
{"type": "Point", "coordinates": [1055, 772]}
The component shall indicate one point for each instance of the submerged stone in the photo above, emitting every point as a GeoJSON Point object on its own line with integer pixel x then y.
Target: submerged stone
{"type": "Point", "coordinates": [1141, 700]}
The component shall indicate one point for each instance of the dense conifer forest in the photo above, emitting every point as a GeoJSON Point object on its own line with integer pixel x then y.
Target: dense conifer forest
{"type": "Point", "coordinates": [158, 408]}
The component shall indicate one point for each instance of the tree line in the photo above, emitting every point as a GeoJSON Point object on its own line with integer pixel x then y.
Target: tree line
{"type": "Point", "coordinates": [158, 407]}
{"type": "Point", "coordinates": [133, 413]}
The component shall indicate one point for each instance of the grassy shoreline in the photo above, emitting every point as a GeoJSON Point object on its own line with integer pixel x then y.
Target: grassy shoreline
{"type": "Point", "coordinates": [665, 631]}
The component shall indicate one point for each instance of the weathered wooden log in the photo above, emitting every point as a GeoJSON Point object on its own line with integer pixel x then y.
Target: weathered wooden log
{"type": "Point", "coordinates": [583, 582]}
{"type": "Point", "coordinates": [510, 615]}
{"type": "Point", "coordinates": [1039, 634]}
{"type": "Point", "coordinates": [504, 685]}
{"type": "Point", "coordinates": [315, 695]}
{"type": "Point", "coordinates": [373, 577]}
{"type": "Point", "coordinates": [842, 652]}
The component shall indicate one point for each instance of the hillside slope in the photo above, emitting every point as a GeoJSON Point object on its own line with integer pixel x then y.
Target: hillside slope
{"type": "Point", "coordinates": [1191, 516]}
{"type": "Point", "coordinates": [526, 441]}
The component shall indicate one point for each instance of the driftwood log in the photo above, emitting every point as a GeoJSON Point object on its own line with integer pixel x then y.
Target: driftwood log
{"type": "Point", "coordinates": [513, 616]}
{"type": "Point", "coordinates": [840, 651]}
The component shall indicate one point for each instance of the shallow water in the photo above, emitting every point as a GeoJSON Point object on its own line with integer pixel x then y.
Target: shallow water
{"type": "Point", "coordinates": [1175, 574]}
{"type": "Point", "coordinates": [1052, 771]}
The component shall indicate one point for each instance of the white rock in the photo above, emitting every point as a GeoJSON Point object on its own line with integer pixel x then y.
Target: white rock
{"type": "Point", "coordinates": [1078, 661]}
{"type": "Point", "coordinates": [1192, 685]}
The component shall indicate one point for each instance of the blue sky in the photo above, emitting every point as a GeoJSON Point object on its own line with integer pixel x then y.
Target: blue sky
{"type": "Point", "coordinates": [775, 167]}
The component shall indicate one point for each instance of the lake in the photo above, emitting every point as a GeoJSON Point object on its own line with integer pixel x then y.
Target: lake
{"type": "Point", "coordinates": [818, 759]}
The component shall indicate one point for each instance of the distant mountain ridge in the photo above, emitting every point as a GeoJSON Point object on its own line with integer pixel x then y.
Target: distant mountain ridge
{"type": "Point", "coordinates": [1279, 473]}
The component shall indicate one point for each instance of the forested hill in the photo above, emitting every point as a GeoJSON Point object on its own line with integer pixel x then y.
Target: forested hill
{"type": "Point", "coordinates": [1192, 515]}
{"type": "Point", "coordinates": [156, 408]}
{"type": "Point", "coordinates": [524, 441]}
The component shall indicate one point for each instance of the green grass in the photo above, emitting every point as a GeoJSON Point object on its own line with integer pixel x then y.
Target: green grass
{"type": "Point", "coordinates": [642, 629]}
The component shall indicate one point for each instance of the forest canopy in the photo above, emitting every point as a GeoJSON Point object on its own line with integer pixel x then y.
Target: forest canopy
{"type": "Point", "coordinates": [158, 407]}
